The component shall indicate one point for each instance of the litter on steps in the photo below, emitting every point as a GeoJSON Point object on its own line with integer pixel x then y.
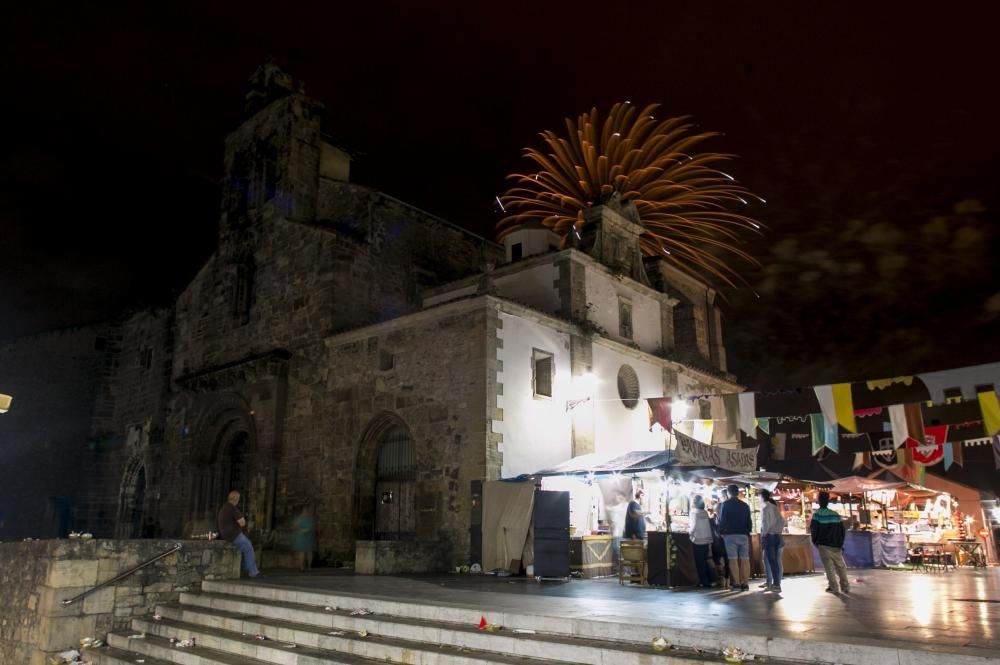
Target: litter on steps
{"type": "Point", "coordinates": [361, 612]}
{"type": "Point", "coordinates": [734, 655]}
{"type": "Point", "coordinates": [660, 644]}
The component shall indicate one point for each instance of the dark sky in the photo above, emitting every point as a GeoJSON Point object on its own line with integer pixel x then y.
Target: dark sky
{"type": "Point", "coordinates": [872, 133]}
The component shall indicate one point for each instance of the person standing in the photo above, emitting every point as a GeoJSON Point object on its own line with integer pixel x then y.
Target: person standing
{"type": "Point", "coordinates": [735, 525]}
{"type": "Point", "coordinates": [635, 519]}
{"type": "Point", "coordinates": [700, 531]}
{"type": "Point", "coordinates": [719, 558]}
{"type": "Point", "coordinates": [827, 532]}
{"type": "Point", "coordinates": [771, 526]}
{"type": "Point", "coordinates": [304, 537]}
{"type": "Point", "coordinates": [231, 525]}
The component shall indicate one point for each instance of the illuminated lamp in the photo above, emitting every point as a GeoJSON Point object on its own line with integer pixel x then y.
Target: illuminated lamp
{"type": "Point", "coordinates": [5, 401]}
{"type": "Point", "coordinates": [984, 533]}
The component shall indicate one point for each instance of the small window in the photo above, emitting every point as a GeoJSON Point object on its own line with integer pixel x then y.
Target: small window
{"type": "Point", "coordinates": [542, 367]}
{"type": "Point", "coordinates": [146, 358]}
{"type": "Point", "coordinates": [386, 361]}
{"type": "Point", "coordinates": [516, 252]}
{"type": "Point", "coordinates": [625, 318]}
{"type": "Point", "coordinates": [243, 294]}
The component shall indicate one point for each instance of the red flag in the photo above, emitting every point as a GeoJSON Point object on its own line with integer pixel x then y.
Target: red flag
{"type": "Point", "coordinates": [659, 412]}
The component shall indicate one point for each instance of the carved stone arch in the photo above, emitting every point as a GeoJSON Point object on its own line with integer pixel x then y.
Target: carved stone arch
{"type": "Point", "coordinates": [384, 426]}
{"type": "Point", "coordinates": [132, 498]}
{"type": "Point", "coordinates": [225, 457]}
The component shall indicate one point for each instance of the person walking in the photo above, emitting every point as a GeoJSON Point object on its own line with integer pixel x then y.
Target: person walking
{"type": "Point", "coordinates": [735, 525]}
{"type": "Point", "coordinates": [700, 531]}
{"type": "Point", "coordinates": [771, 526]}
{"type": "Point", "coordinates": [304, 537]}
{"type": "Point", "coordinates": [827, 532]}
{"type": "Point", "coordinates": [231, 525]}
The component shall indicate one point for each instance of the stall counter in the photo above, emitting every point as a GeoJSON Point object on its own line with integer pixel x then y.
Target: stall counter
{"type": "Point", "coordinates": [592, 556]}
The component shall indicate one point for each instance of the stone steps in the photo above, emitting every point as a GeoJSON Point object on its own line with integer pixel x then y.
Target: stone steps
{"type": "Point", "coordinates": [313, 646]}
{"type": "Point", "coordinates": [559, 638]}
{"type": "Point", "coordinates": [296, 622]}
{"type": "Point", "coordinates": [156, 650]}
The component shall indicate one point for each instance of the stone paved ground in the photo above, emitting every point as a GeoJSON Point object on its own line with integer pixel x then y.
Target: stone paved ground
{"type": "Point", "coordinates": [947, 611]}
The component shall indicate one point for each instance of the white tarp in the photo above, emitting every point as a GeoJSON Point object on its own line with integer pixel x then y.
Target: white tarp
{"type": "Point", "coordinates": [507, 511]}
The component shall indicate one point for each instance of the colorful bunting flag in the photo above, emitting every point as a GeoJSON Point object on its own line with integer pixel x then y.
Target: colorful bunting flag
{"type": "Point", "coordinates": [996, 451]}
{"type": "Point", "coordinates": [991, 411]}
{"type": "Point", "coordinates": [748, 415]}
{"type": "Point", "coordinates": [844, 405]}
{"type": "Point", "coordinates": [764, 424]}
{"type": "Point", "coordinates": [659, 413]}
{"type": "Point", "coordinates": [897, 420]}
{"type": "Point", "coordinates": [949, 455]}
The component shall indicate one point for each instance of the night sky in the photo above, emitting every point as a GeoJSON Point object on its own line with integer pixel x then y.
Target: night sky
{"type": "Point", "coordinates": [871, 132]}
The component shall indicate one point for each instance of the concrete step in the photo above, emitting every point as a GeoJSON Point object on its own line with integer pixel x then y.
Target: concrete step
{"type": "Point", "coordinates": [108, 655]}
{"type": "Point", "coordinates": [273, 617]}
{"type": "Point", "coordinates": [157, 650]}
{"type": "Point", "coordinates": [294, 644]}
{"type": "Point", "coordinates": [711, 638]}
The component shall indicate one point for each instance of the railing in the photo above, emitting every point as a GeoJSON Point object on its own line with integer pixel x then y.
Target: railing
{"type": "Point", "coordinates": [127, 573]}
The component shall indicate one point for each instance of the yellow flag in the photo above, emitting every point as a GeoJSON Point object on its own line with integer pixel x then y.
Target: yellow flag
{"type": "Point", "coordinates": [844, 405]}
{"type": "Point", "coordinates": [991, 412]}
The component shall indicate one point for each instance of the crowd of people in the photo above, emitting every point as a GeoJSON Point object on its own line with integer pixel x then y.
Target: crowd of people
{"type": "Point", "coordinates": [720, 538]}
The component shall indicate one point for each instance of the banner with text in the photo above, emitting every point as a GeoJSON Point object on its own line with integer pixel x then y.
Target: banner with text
{"type": "Point", "coordinates": [695, 453]}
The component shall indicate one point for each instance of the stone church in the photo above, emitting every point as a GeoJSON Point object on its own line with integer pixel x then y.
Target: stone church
{"type": "Point", "coordinates": [346, 351]}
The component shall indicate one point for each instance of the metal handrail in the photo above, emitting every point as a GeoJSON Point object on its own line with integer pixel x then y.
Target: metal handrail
{"type": "Point", "coordinates": [70, 601]}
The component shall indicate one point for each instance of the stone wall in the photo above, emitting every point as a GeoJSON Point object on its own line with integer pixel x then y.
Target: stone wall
{"type": "Point", "coordinates": [35, 577]}
{"type": "Point", "coordinates": [127, 431]}
{"type": "Point", "coordinates": [426, 372]}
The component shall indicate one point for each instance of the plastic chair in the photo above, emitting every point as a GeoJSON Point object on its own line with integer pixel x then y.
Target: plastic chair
{"type": "Point", "coordinates": [632, 562]}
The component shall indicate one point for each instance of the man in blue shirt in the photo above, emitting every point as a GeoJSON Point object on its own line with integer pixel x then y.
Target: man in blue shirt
{"type": "Point", "coordinates": [734, 526]}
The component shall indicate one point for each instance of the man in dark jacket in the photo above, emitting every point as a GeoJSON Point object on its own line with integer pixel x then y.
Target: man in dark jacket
{"type": "Point", "coordinates": [827, 531]}
{"type": "Point", "coordinates": [231, 525]}
{"type": "Point", "coordinates": [734, 526]}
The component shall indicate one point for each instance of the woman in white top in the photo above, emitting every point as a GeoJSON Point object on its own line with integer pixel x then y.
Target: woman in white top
{"type": "Point", "coordinates": [700, 530]}
{"type": "Point", "coordinates": [771, 526]}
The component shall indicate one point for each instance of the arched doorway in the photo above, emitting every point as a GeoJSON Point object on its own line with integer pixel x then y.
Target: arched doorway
{"type": "Point", "coordinates": [131, 501]}
{"type": "Point", "coordinates": [395, 482]}
{"type": "Point", "coordinates": [385, 477]}
{"type": "Point", "coordinates": [225, 461]}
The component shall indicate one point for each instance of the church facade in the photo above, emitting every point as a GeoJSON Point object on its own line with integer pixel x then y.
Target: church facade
{"type": "Point", "coordinates": [345, 351]}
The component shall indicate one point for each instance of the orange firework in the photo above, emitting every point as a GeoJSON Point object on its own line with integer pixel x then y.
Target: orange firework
{"type": "Point", "coordinates": [684, 202]}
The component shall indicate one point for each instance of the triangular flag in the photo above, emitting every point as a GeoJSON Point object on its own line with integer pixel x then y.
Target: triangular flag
{"type": "Point", "coordinates": [659, 413]}
{"type": "Point", "coordinates": [991, 411]}
{"type": "Point", "coordinates": [914, 422]}
{"type": "Point", "coordinates": [764, 424]}
{"type": "Point", "coordinates": [956, 453]}
{"type": "Point", "coordinates": [859, 460]}
{"type": "Point", "coordinates": [817, 425]}
{"type": "Point", "coordinates": [897, 418]}
{"type": "Point", "coordinates": [748, 414]}
{"type": "Point", "coordinates": [996, 451]}
{"type": "Point", "coordinates": [824, 395]}
{"type": "Point", "coordinates": [949, 455]}
{"type": "Point", "coordinates": [844, 404]}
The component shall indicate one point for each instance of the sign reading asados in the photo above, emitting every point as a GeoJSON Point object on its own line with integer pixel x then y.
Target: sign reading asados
{"type": "Point", "coordinates": [695, 453]}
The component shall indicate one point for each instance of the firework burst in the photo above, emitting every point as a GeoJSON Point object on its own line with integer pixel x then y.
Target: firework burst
{"type": "Point", "coordinates": [685, 202]}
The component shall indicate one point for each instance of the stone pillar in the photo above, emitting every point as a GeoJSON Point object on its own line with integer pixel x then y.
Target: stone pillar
{"type": "Point", "coordinates": [581, 358]}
